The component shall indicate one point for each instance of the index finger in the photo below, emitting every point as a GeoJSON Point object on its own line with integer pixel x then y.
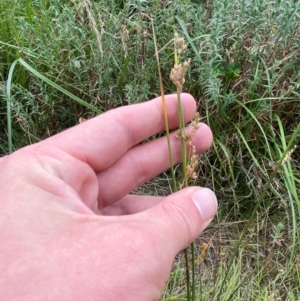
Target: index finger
{"type": "Point", "coordinates": [102, 140]}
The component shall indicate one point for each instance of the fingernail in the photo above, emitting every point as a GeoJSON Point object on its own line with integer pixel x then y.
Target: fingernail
{"type": "Point", "coordinates": [206, 202]}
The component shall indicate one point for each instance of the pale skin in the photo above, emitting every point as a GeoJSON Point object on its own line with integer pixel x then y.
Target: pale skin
{"type": "Point", "coordinates": [70, 230]}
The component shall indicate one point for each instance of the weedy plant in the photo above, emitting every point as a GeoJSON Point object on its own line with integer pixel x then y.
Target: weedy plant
{"type": "Point", "coordinates": [189, 157]}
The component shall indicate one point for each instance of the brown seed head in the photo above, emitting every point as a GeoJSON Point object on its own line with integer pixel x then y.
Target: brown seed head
{"type": "Point", "coordinates": [179, 44]}
{"type": "Point", "coordinates": [177, 74]}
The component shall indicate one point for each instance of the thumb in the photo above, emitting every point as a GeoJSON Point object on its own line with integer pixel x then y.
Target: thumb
{"type": "Point", "coordinates": [181, 217]}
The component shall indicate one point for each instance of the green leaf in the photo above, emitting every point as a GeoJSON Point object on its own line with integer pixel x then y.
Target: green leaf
{"type": "Point", "coordinates": [233, 71]}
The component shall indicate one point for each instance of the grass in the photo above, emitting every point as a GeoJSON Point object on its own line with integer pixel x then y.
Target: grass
{"type": "Point", "coordinates": [78, 60]}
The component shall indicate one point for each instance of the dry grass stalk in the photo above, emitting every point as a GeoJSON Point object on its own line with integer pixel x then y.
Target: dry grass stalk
{"type": "Point", "coordinates": [125, 39]}
{"type": "Point", "coordinates": [288, 155]}
{"type": "Point", "coordinates": [86, 6]}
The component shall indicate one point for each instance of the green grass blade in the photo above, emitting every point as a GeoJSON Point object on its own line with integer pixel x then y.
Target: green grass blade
{"type": "Point", "coordinates": [259, 125]}
{"type": "Point", "coordinates": [249, 149]}
{"type": "Point", "coordinates": [123, 72]}
{"type": "Point", "coordinates": [27, 51]}
{"type": "Point", "coordinates": [57, 87]}
{"type": "Point", "coordinates": [183, 27]}
{"type": "Point", "coordinates": [8, 104]}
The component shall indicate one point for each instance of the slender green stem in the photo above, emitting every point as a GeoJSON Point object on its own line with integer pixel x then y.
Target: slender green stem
{"type": "Point", "coordinates": [8, 104]}
{"type": "Point", "coordinates": [164, 108]}
{"type": "Point", "coordinates": [187, 269]}
{"type": "Point", "coordinates": [182, 141]}
{"type": "Point", "coordinates": [170, 152]}
{"type": "Point", "coordinates": [193, 273]}
{"type": "Point", "coordinates": [190, 282]}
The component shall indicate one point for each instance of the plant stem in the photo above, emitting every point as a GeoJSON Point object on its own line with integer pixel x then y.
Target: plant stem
{"type": "Point", "coordinates": [164, 107]}
{"type": "Point", "coordinates": [190, 282]}
{"type": "Point", "coordinates": [184, 165]}
{"type": "Point", "coordinates": [193, 272]}
{"type": "Point", "coordinates": [187, 268]}
{"type": "Point", "coordinates": [182, 141]}
{"type": "Point", "coordinates": [8, 104]}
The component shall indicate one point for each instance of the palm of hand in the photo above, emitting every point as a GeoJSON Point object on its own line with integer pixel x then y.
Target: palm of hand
{"type": "Point", "coordinates": [65, 207]}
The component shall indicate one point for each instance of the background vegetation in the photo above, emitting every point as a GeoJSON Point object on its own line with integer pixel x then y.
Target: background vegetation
{"type": "Point", "coordinates": [245, 76]}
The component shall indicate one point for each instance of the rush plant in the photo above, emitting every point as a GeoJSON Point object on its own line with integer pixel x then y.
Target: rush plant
{"type": "Point", "coordinates": [189, 157]}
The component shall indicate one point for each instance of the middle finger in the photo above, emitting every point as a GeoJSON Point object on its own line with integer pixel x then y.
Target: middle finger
{"type": "Point", "coordinates": [142, 163]}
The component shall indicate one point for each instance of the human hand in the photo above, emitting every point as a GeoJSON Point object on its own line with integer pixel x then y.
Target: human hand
{"type": "Point", "coordinates": [70, 230]}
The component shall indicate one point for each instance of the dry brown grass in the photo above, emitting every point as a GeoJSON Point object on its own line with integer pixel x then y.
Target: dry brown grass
{"type": "Point", "coordinates": [86, 12]}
